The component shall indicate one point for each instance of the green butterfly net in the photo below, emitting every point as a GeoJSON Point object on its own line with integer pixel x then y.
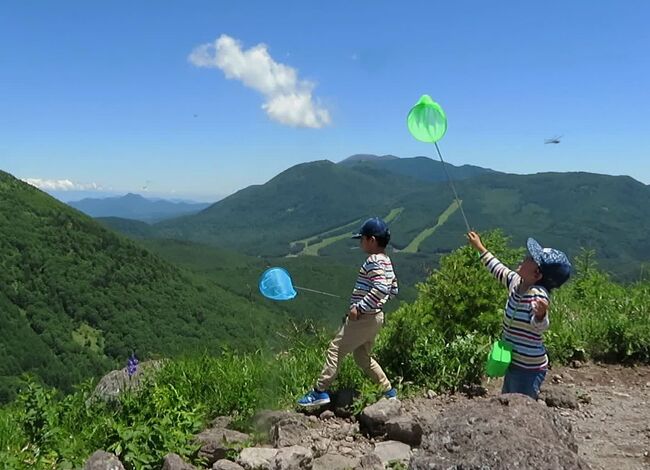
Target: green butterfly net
{"type": "Point", "coordinates": [427, 121]}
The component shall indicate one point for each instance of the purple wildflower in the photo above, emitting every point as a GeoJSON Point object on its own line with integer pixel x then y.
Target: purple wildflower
{"type": "Point", "coordinates": [132, 365]}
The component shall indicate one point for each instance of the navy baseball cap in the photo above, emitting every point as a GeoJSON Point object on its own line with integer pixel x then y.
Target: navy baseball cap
{"type": "Point", "coordinates": [553, 264]}
{"type": "Point", "coordinates": [374, 227]}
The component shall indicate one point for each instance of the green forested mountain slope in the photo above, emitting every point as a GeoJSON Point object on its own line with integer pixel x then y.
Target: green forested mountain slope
{"type": "Point", "coordinates": [76, 298]}
{"type": "Point", "coordinates": [317, 204]}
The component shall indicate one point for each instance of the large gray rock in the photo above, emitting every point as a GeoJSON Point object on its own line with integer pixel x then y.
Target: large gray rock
{"type": "Point", "coordinates": [405, 429]}
{"type": "Point", "coordinates": [266, 419]}
{"type": "Point", "coordinates": [334, 462]}
{"type": "Point", "coordinates": [221, 422]}
{"type": "Point", "coordinates": [257, 458]}
{"type": "Point", "coordinates": [392, 451]}
{"type": "Point", "coordinates": [508, 432]}
{"type": "Point", "coordinates": [373, 418]}
{"type": "Point", "coordinates": [289, 431]}
{"type": "Point", "coordinates": [217, 442]}
{"type": "Point", "coordinates": [371, 462]}
{"type": "Point", "coordinates": [116, 382]}
{"type": "Point", "coordinates": [101, 460]}
{"type": "Point", "coordinates": [175, 462]}
{"type": "Point", "coordinates": [560, 397]}
{"type": "Point", "coordinates": [294, 457]}
{"type": "Point", "coordinates": [224, 464]}
{"type": "Point", "coordinates": [327, 414]}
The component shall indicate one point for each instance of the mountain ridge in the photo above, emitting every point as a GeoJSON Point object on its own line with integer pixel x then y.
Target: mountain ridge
{"type": "Point", "coordinates": [136, 207]}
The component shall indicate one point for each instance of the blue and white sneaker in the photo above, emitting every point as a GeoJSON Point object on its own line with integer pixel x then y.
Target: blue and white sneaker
{"type": "Point", "coordinates": [314, 398]}
{"type": "Point", "coordinates": [391, 394]}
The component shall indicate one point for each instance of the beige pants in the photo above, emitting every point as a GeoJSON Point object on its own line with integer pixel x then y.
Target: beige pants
{"type": "Point", "coordinates": [356, 337]}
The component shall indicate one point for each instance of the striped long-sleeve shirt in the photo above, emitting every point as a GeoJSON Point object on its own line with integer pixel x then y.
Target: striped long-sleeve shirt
{"type": "Point", "coordinates": [375, 285]}
{"type": "Point", "coordinates": [520, 327]}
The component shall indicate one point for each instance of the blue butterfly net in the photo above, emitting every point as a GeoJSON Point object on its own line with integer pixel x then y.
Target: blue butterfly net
{"type": "Point", "coordinates": [275, 284]}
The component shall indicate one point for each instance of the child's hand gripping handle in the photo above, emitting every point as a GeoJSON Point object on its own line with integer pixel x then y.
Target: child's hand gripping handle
{"type": "Point", "coordinates": [475, 242]}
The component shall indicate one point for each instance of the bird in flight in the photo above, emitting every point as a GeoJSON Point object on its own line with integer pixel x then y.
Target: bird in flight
{"type": "Point", "coordinates": [554, 140]}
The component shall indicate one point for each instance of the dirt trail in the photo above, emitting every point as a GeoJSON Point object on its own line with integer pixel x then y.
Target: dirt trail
{"type": "Point", "coordinates": [613, 429]}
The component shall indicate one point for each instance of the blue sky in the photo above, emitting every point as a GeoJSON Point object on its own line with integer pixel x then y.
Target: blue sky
{"type": "Point", "coordinates": [106, 94]}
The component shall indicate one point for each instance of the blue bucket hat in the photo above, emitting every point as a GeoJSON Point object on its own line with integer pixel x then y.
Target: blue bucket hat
{"type": "Point", "coordinates": [553, 264]}
{"type": "Point", "coordinates": [374, 227]}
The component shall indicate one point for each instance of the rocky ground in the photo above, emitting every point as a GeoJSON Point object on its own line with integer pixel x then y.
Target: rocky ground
{"type": "Point", "coordinates": [613, 428]}
{"type": "Point", "coordinates": [589, 416]}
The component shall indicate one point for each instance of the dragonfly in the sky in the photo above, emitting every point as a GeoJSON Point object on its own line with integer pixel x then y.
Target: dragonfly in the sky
{"type": "Point", "coordinates": [554, 140]}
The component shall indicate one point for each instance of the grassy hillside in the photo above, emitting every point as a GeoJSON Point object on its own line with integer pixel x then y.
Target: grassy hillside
{"type": "Point", "coordinates": [609, 214]}
{"type": "Point", "coordinates": [309, 209]}
{"type": "Point", "coordinates": [76, 298]}
{"type": "Point", "coordinates": [305, 200]}
{"type": "Point", "coordinates": [240, 274]}
{"type": "Point", "coordinates": [129, 227]}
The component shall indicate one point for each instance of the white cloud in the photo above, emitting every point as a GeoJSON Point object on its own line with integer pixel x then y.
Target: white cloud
{"type": "Point", "coordinates": [61, 185]}
{"type": "Point", "coordinates": [296, 109]}
{"type": "Point", "coordinates": [289, 100]}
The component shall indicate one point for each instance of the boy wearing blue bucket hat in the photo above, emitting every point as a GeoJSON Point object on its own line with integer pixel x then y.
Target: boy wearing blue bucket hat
{"type": "Point", "coordinates": [525, 313]}
{"type": "Point", "coordinates": [375, 285]}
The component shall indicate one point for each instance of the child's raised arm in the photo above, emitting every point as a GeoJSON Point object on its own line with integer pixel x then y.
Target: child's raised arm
{"type": "Point", "coordinates": [500, 271]}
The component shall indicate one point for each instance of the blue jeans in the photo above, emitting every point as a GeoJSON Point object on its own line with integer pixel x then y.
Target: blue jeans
{"type": "Point", "coordinates": [526, 382]}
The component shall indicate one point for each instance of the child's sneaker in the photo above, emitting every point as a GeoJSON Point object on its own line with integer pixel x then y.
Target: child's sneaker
{"type": "Point", "coordinates": [314, 398]}
{"type": "Point", "coordinates": [391, 394]}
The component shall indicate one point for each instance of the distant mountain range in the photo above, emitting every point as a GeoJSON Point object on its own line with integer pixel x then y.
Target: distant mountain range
{"type": "Point", "coordinates": [309, 209]}
{"type": "Point", "coordinates": [136, 207]}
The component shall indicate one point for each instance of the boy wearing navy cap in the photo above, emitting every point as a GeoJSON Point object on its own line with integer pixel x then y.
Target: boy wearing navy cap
{"type": "Point", "coordinates": [375, 285]}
